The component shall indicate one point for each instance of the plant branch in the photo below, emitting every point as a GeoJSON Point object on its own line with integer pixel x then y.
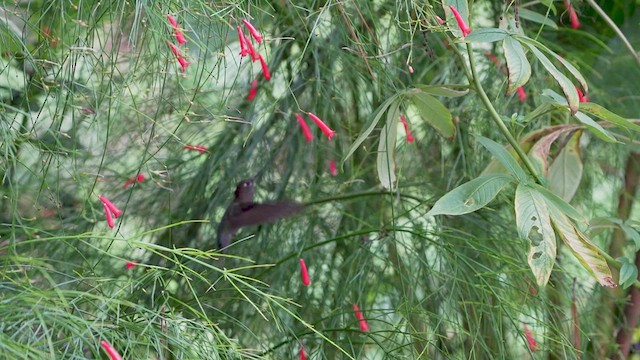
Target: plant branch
{"type": "Point", "coordinates": [497, 120]}
{"type": "Point", "coordinates": [615, 28]}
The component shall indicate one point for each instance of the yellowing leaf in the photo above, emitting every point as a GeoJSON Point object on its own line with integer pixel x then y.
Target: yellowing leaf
{"type": "Point", "coordinates": [565, 172]}
{"type": "Point", "coordinates": [534, 224]}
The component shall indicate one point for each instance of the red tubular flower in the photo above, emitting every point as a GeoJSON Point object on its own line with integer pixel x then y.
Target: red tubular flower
{"type": "Point", "coordinates": [581, 96]}
{"type": "Point", "coordinates": [140, 178]}
{"type": "Point", "coordinates": [439, 20]}
{"type": "Point", "coordinates": [332, 168]}
{"type": "Point", "coordinates": [172, 20]}
{"type": "Point", "coordinates": [175, 50]}
{"type": "Point", "coordinates": [325, 129]}
{"type": "Point", "coordinates": [301, 354]}
{"type": "Point", "coordinates": [109, 216]}
{"type": "Point", "coordinates": [406, 128]}
{"type": "Point", "coordinates": [256, 35]}
{"type": "Point", "coordinates": [196, 148]}
{"type": "Point", "coordinates": [251, 50]}
{"type": "Point", "coordinates": [573, 16]}
{"type": "Point", "coordinates": [243, 47]}
{"type": "Point", "coordinates": [176, 29]}
{"type": "Point", "coordinates": [113, 354]}
{"type": "Point", "coordinates": [130, 265]}
{"type": "Point", "coordinates": [363, 323]}
{"type": "Point", "coordinates": [461, 24]}
{"type": "Point", "coordinates": [133, 180]}
{"type": "Point", "coordinates": [305, 274]}
{"type": "Point", "coordinates": [112, 208]}
{"type": "Point", "coordinates": [522, 95]}
{"type": "Point", "coordinates": [181, 59]}
{"type": "Point", "coordinates": [305, 128]}
{"type": "Point", "coordinates": [253, 90]}
{"type": "Point", "coordinates": [531, 342]}
{"type": "Point", "coordinates": [183, 63]}
{"type": "Point", "coordinates": [265, 69]}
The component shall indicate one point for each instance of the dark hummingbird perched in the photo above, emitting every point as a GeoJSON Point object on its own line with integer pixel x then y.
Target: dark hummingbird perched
{"type": "Point", "coordinates": [243, 211]}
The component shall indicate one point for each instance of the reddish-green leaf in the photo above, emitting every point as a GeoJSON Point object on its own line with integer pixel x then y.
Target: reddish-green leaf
{"type": "Point", "coordinates": [565, 172]}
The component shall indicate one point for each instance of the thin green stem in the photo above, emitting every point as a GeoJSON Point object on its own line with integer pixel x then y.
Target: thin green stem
{"type": "Point", "coordinates": [615, 28]}
{"type": "Point", "coordinates": [497, 120]}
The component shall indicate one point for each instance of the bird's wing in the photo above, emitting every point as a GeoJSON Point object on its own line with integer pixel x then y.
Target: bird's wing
{"type": "Point", "coordinates": [249, 214]}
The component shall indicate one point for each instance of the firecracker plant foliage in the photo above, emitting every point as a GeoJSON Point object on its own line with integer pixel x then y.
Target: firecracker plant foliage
{"type": "Point", "coordinates": [469, 171]}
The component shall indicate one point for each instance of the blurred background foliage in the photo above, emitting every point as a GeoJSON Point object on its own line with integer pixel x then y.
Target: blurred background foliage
{"type": "Point", "coordinates": [91, 96]}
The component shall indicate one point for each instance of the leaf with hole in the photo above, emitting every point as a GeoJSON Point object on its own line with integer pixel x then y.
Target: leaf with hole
{"type": "Point", "coordinates": [534, 224]}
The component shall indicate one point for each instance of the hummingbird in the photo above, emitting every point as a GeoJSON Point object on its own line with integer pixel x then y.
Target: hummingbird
{"type": "Point", "coordinates": [243, 211]}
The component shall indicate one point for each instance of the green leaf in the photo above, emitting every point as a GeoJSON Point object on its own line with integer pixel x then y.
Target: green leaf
{"type": "Point", "coordinates": [557, 203]}
{"type": "Point", "coordinates": [582, 248]}
{"type": "Point", "coordinates": [631, 233]}
{"type": "Point", "coordinates": [433, 112]}
{"type": "Point", "coordinates": [441, 90]}
{"type": "Point", "coordinates": [604, 114]}
{"type": "Point", "coordinates": [536, 17]}
{"type": "Point", "coordinates": [560, 59]}
{"type": "Point", "coordinates": [534, 224]}
{"type": "Point", "coordinates": [628, 273]}
{"type": "Point", "coordinates": [503, 156]}
{"type": "Point", "coordinates": [565, 172]}
{"type": "Point", "coordinates": [470, 196]}
{"type": "Point", "coordinates": [373, 121]}
{"type": "Point", "coordinates": [594, 127]}
{"type": "Point", "coordinates": [517, 64]}
{"type": "Point", "coordinates": [487, 35]}
{"type": "Point", "coordinates": [386, 160]}
{"type": "Point", "coordinates": [571, 94]}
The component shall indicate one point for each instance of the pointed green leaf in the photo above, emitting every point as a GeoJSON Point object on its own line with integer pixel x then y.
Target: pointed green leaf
{"type": "Point", "coordinates": [433, 112]}
{"type": "Point", "coordinates": [470, 196]}
{"type": "Point", "coordinates": [604, 114]}
{"type": "Point", "coordinates": [569, 90]}
{"type": "Point", "coordinates": [560, 59]}
{"type": "Point", "coordinates": [628, 273]}
{"type": "Point", "coordinates": [517, 64]}
{"type": "Point", "coordinates": [565, 172]}
{"type": "Point", "coordinates": [559, 204]}
{"type": "Point", "coordinates": [582, 248]}
{"type": "Point", "coordinates": [373, 121]}
{"type": "Point", "coordinates": [503, 156]}
{"type": "Point", "coordinates": [594, 127]}
{"type": "Point", "coordinates": [534, 225]}
{"type": "Point", "coordinates": [386, 160]}
{"type": "Point", "coordinates": [441, 90]}
{"type": "Point", "coordinates": [537, 18]}
{"type": "Point", "coordinates": [487, 35]}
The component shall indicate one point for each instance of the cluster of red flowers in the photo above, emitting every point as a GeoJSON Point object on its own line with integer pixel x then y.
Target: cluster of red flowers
{"type": "Point", "coordinates": [247, 48]}
{"type": "Point", "coordinates": [182, 60]}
